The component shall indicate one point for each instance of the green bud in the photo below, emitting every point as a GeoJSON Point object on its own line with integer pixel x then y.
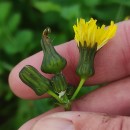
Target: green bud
{"type": "Point", "coordinates": [31, 77]}
{"type": "Point", "coordinates": [52, 62]}
{"type": "Point", "coordinates": [59, 84]}
{"type": "Point", "coordinates": [85, 66]}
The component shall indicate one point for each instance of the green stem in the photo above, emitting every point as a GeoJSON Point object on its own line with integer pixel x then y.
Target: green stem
{"type": "Point", "coordinates": [64, 100]}
{"type": "Point", "coordinates": [67, 106]}
{"type": "Point", "coordinates": [67, 103]}
{"type": "Point", "coordinates": [78, 88]}
{"type": "Point", "coordinates": [55, 96]}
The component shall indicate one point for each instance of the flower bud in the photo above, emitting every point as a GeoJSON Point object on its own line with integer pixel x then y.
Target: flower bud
{"type": "Point", "coordinates": [59, 84]}
{"type": "Point", "coordinates": [31, 77]}
{"type": "Point", "coordinates": [85, 67]}
{"type": "Point", "coordinates": [52, 62]}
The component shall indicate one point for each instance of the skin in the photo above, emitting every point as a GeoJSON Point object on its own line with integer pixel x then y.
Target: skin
{"type": "Point", "coordinates": [107, 108]}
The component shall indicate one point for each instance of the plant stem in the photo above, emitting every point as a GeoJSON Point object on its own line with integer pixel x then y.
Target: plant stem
{"type": "Point", "coordinates": [67, 106]}
{"type": "Point", "coordinates": [78, 88]}
{"type": "Point", "coordinates": [64, 100]}
{"type": "Point", "coordinates": [55, 96]}
{"type": "Point", "coordinates": [67, 103]}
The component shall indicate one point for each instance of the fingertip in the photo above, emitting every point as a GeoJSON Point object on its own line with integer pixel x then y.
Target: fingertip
{"type": "Point", "coordinates": [29, 124]}
{"type": "Point", "coordinates": [54, 124]}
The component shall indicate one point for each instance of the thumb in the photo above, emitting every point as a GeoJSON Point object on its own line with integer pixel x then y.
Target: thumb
{"type": "Point", "coordinates": [82, 121]}
{"type": "Point", "coordinates": [55, 123]}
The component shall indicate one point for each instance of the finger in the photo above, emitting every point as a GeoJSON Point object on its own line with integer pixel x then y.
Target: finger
{"type": "Point", "coordinates": [111, 62]}
{"type": "Point", "coordinates": [81, 121]}
{"type": "Point", "coordinates": [113, 99]}
{"type": "Point", "coordinates": [106, 101]}
{"type": "Point", "coordinates": [28, 125]}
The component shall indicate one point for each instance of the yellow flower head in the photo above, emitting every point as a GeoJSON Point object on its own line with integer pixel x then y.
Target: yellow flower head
{"type": "Point", "coordinates": [90, 34]}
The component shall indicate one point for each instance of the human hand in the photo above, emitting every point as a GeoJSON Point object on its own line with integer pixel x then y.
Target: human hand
{"type": "Point", "coordinates": [112, 65]}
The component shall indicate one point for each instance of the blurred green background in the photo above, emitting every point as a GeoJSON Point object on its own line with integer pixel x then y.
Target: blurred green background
{"type": "Point", "coordinates": [21, 26]}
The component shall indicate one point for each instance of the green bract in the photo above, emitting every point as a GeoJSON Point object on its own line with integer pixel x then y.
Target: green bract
{"type": "Point", "coordinates": [52, 62]}
{"type": "Point", "coordinates": [30, 76]}
{"type": "Point", "coordinates": [59, 83]}
{"type": "Point", "coordinates": [85, 67]}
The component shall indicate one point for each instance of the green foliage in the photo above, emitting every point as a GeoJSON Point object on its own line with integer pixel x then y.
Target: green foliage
{"type": "Point", "coordinates": [5, 8]}
{"type": "Point", "coordinates": [21, 26]}
{"type": "Point", "coordinates": [70, 12]}
{"type": "Point", "coordinates": [47, 6]}
{"type": "Point", "coordinates": [20, 43]}
{"type": "Point", "coordinates": [14, 22]}
{"type": "Point", "coordinates": [92, 3]}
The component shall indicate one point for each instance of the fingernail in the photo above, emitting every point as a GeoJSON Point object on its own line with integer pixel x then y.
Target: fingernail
{"type": "Point", "coordinates": [54, 124]}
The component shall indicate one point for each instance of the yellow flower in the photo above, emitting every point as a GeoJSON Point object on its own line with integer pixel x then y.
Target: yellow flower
{"type": "Point", "coordinates": [90, 38]}
{"type": "Point", "coordinates": [90, 34]}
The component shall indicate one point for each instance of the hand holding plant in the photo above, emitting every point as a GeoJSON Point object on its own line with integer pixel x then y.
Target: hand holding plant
{"type": "Point", "coordinates": [90, 38]}
{"type": "Point", "coordinates": [110, 64]}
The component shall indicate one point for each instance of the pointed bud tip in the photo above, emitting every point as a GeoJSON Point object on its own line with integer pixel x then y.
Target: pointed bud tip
{"type": "Point", "coordinates": [46, 31]}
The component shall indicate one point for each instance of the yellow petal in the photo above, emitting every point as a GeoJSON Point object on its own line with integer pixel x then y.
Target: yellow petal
{"type": "Point", "coordinates": [90, 34]}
